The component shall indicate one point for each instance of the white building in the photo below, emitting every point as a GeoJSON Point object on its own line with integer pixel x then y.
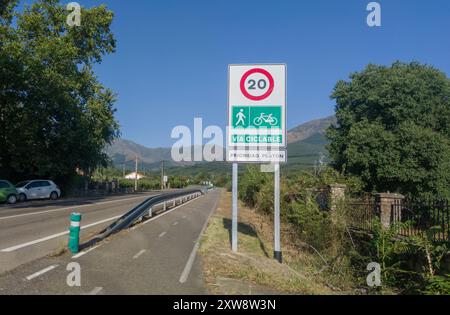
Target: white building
{"type": "Point", "coordinates": [133, 176]}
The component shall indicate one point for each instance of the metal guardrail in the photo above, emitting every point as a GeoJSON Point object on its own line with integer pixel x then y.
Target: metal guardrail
{"type": "Point", "coordinates": [146, 209]}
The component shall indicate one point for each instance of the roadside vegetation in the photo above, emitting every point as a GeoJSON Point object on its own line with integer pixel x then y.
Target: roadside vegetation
{"type": "Point", "coordinates": [322, 253]}
{"type": "Point", "coordinates": [393, 129]}
{"type": "Point", "coordinates": [55, 115]}
{"type": "Point", "coordinates": [392, 135]}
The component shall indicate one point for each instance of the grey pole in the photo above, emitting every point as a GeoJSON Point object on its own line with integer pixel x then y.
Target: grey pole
{"type": "Point", "coordinates": [277, 248]}
{"type": "Point", "coordinates": [234, 242]}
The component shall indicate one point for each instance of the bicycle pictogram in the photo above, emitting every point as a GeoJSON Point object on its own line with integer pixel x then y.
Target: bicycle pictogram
{"type": "Point", "coordinates": [268, 119]}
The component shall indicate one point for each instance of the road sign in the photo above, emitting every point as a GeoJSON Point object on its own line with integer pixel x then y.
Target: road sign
{"type": "Point", "coordinates": [257, 106]}
{"type": "Point", "coordinates": [257, 130]}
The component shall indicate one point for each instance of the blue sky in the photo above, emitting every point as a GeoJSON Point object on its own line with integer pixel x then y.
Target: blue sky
{"type": "Point", "coordinates": [172, 55]}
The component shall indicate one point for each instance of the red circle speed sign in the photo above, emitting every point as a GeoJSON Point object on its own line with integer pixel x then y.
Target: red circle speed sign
{"type": "Point", "coordinates": [261, 84]}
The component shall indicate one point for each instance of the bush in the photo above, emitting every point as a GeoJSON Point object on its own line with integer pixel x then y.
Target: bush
{"type": "Point", "coordinates": [313, 224]}
{"type": "Point", "coordinates": [250, 184]}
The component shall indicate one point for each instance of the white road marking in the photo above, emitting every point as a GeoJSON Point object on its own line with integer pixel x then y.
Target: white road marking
{"type": "Point", "coordinates": [162, 234]}
{"type": "Point", "coordinates": [139, 254]}
{"type": "Point", "coordinates": [184, 217]}
{"type": "Point", "coordinates": [187, 269]}
{"type": "Point", "coordinates": [72, 208]}
{"type": "Point", "coordinates": [39, 273]}
{"type": "Point", "coordinates": [47, 238]}
{"type": "Point", "coordinates": [85, 252]}
{"type": "Point", "coordinates": [96, 291]}
{"type": "Point", "coordinates": [175, 223]}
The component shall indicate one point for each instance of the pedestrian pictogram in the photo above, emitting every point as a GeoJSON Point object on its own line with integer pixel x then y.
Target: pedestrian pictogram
{"type": "Point", "coordinates": [241, 118]}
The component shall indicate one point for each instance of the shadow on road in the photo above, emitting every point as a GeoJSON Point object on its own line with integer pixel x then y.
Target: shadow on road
{"type": "Point", "coordinates": [246, 230]}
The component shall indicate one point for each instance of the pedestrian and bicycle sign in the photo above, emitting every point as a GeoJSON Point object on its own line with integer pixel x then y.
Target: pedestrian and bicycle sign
{"type": "Point", "coordinates": [257, 117]}
{"type": "Point", "coordinates": [257, 130]}
{"type": "Point", "coordinates": [257, 109]}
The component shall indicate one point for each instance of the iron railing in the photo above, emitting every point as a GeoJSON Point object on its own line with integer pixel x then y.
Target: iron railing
{"type": "Point", "coordinates": [423, 216]}
{"type": "Point", "coordinates": [362, 214]}
{"type": "Point", "coordinates": [416, 216]}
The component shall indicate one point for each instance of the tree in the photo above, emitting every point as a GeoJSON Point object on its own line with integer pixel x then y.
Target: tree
{"type": "Point", "coordinates": [393, 129]}
{"type": "Point", "coordinates": [55, 116]}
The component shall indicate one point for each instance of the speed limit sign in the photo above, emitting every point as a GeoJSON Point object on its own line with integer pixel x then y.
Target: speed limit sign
{"type": "Point", "coordinates": [256, 108]}
{"type": "Point", "coordinates": [257, 84]}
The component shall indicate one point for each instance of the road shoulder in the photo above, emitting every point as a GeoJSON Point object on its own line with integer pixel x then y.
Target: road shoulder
{"type": "Point", "coordinates": [252, 270]}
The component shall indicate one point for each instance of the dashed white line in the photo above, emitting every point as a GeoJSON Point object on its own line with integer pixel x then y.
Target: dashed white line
{"type": "Point", "coordinates": [139, 254]}
{"type": "Point", "coordinates": [96, 291]}
{"type": "Point", "coordinates": [47, 238]}
{"type": "Point", "coordinates": [40, 273]}
{"type": "Point", "coordinates": [85, 252]}
{"type": "Point", "coordinates": [175, 223]}
{"type": "Point", "coordinates": [72, 208]}
{"type": "Point", "coordinates": [184, 217]}
{"type": "Point", "coordinates": [162, 234]}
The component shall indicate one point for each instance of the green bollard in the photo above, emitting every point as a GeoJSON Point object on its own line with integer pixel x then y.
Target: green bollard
{"type": "Point", "coordinates": [74, 235]}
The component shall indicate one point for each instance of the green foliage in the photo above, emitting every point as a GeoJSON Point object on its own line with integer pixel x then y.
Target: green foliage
{"type": "Point", "coordinates": [298, 207]}
{"type": "Point", "coordinates": [313, 224]}
{"type": "Point", "coordinates": [393, 130]}
{"type": "Point", "coordinates": [55, 116]}
{"type": "Point", "coordinates": [250, 183]}
{"type": "Point", "coordinates": [143, 184]}
{"type": "Point", "coordinates": [413, 264]}
{"type": "Point", "coordinates": [438, 285]}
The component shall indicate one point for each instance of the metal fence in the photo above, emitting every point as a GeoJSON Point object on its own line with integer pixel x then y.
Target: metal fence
{"type": "Point", "coordinates": [362, 213]}
{"type": "Point", "coordinates": [420, 216]}
{"type": "Point", "coordinates": [416, 216]}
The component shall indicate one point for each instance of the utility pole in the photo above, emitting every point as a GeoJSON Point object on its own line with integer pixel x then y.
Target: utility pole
{"type": "Point", "coordinates": [136, 175]}
{"type": "Point", "coordinates": [162, 175]}
{"type": "Point", "coordinates": [123, 164]}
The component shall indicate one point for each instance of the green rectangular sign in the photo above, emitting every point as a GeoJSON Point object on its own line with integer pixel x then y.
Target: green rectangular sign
{"type": "Point", "coordinates": [256, 117]}
{"type": "Point", "coordinates": [257, 139]}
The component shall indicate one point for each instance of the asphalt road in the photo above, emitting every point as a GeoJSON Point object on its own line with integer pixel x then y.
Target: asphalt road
{"type": "Point", "coordinates": [33, 230]}
{"type": "Point", "coordinates": [155, 257]}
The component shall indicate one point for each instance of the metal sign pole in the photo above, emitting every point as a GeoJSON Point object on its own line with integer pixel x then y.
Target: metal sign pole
{"type": "Point", "coordinates": [277, 248]}
{"type": "Point", "coordinates": [234, 232]}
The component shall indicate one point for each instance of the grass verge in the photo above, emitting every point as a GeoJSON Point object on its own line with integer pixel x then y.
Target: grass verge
{"type": "Point", "coordinates": [252, 270]}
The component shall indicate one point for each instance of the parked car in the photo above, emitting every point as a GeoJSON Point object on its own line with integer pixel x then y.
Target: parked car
{"type": "Point", "coordinates": [8, 193]}
{"type": "Point", "coordinates": [38, 189]}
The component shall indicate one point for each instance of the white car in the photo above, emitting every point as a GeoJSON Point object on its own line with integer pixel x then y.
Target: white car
{"type": "Point", "coordinates": [38, 189]}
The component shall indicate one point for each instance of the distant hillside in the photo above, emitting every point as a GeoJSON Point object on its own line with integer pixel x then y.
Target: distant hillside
{"type": "Point", "coordinates": [306, 153]}
{"type": "Point", "coordinates": [306, 145]}
{"type": "Point", "coordinates": [125, 151]}
{"type": "Point", "coordinates": [311, 128]}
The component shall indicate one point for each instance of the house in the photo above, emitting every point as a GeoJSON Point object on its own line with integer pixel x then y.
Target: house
{"type": "Point", "coordinates": [133, 176]}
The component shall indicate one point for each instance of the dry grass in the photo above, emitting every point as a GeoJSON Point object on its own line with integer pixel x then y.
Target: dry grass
{"type": "Point", "coordinates": [253, 266]}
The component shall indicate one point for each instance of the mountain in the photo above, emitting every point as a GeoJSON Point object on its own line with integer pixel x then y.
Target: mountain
{"type": "Point", "coordinates": [306, 146]}
{"type": "Point", "coordinates": [124, 151]}
{"type": "Point", "coordinates": [311, 128]}
{"type": "Point", "coordinates": [307, 143]}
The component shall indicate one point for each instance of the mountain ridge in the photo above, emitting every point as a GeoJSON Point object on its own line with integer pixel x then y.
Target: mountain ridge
{"type": "Point", "coordinates": [300, 145]}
